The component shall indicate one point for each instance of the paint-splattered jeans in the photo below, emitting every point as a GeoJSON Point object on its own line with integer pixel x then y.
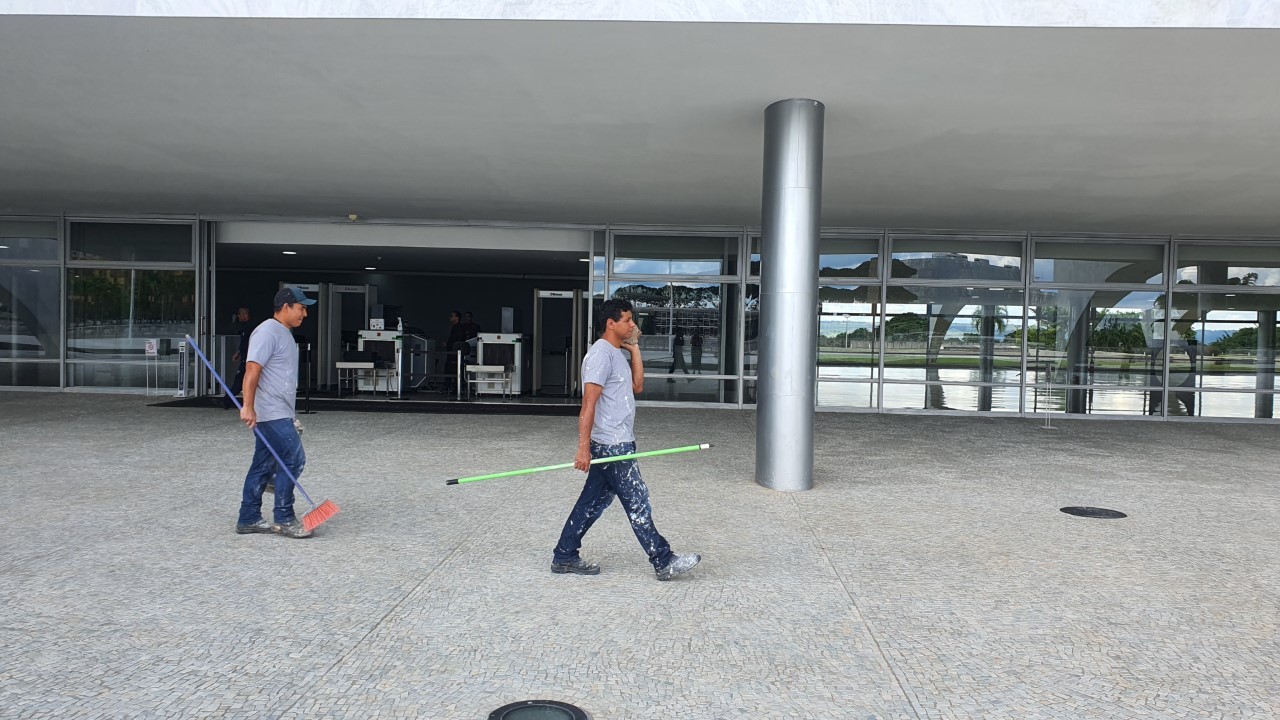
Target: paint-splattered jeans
{"type": "Point", "coordinates": [284, 438]}
{"type": "Point", "coordinates": [604, 481]}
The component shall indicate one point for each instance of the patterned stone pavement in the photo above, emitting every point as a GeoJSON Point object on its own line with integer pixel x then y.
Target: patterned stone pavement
{"type": "Point", "coordinates": [929, 574]}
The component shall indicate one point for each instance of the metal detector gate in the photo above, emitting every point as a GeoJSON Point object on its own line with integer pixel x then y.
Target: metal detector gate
{"type": "Point", "coordinates": [558, 337]}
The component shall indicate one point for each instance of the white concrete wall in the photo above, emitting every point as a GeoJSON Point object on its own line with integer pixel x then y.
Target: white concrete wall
{"type": "Point", "coordinates": [1017, 13]}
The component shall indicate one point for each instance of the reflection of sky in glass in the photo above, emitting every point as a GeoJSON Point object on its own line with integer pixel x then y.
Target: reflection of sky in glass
{"type": "Point", "coordinates": [634, 266]}
{"type": "Point", "coordinates": [1268, 277]}
{"type": "Point", "coordinates": [1089, 271]}
{"type": "Point", "coordinates": [1010, 260]}
{"type": "Point", "coordinates": [845, 262]}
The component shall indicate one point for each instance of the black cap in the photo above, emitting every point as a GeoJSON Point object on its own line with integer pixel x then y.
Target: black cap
{"type": "Point", "coordinates": [290, 295]}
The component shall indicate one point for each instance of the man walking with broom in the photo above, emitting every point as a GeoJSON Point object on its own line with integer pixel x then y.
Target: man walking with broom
{"type": "Point", "coordinates": [270, 391]}
{"type": "Point", "coordinates": [606, 428]}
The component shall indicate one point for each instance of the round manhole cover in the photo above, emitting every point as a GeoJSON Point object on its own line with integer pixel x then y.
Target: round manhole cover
{"type": "Point", "coordinates": [538, 710]}
{"type": "Point", "coordinates": [1093, 512]}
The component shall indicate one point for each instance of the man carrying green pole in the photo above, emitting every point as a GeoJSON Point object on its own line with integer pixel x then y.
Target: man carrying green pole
{"type": "Point", "coordinates": [606, 429]}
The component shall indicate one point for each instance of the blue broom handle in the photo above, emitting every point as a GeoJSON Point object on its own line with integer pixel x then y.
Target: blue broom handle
{"type": "Point", "coordinates": [191, 341]}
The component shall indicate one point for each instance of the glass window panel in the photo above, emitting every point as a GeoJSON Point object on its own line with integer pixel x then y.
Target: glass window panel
{"type": "Point", "coordinates": [851, 257]}
{"type": "Point", "coordinates": [110, 313]}
{"type": "Point", "coordinates": [29, 374]}
{"type": "Point", "coordinates": [754, 268]}
{"type": "Point", "coordinates": [1092, 401]}
{"type": "Point", "coordinates": [30, 312]}
{"type": "Point", "coordinates": [598, 256]}
{"type": "Point", "coordinates": [127, 374]}
{"type": "Point", "coordinates": [1224, 340]}
{"type": "Point", "coordinates": [663, 389]}
{"type": "Point", "coordinates": [688, 328]}
{"type": "Point", "coordinates": [1235, 405]}
{"type": "Point", "coordinates": [1091, 262]}
{"type": "Point", "coordinates": [953, 334]}
{"type": "Point", "coordinates": [130, 242]}
{"type": "Point", "coordinates": [671, 255]}
{"type": "Point", "coordinates": [1096, 337]}
{"type": "Point", "coordinates": [858, 395]}
{"type": "Point", "coordinates": [28, 240]}
{"type": "Point", "coordinates": [751, 334]}
{"type": "Point", "coordinates": [966, 398]}
{"type": "Point", "coordinates": [848, 338]}
{"type": "Point", "coordinates": [1228, 264]}
{"type": "Point", "coordinates": [956, 257]}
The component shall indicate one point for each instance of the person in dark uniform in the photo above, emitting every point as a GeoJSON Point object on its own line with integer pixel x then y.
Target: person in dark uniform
{"type": "Point", "coordinates": [241, 355]}
{"type": "Point", "coordinates": [469, 327]}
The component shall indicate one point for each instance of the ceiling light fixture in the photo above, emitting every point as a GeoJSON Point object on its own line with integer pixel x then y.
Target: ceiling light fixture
{"type": "Point", "coordinates": [371, 268]}
{"type": "Point", "coordinates": [288, 252]}
{"type": "Point", "coordinates": [584, 259]}
{"type": "Point", "coordinates": [4, 247]}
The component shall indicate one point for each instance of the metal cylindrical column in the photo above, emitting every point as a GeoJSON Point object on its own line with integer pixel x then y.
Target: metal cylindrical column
{"type": "Point", "coordinates": [791, 218]}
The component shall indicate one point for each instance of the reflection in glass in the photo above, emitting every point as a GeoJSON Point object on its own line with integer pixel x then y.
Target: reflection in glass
{"type": "Point", "coordinates": [1227, 341]}
{"type": "Point", "coordinates": [851, 257]}
{"type": "Point", "coordinates": [29, 374]}
{"type": "Point", "coordinates": [751, 333]}
{"type": "Point", "coordinates": [1095, 337]}
{"type": "Point", "coordinates": [28, 240]}
{"type": "Point", "coordinates": [848, 338]}
{"type": "Point", "coordinates": [687, 329]}
{"type": "Point", "coordinates": [955, 257]}
{"type": "Point", "coordinates": [690, 389]}
{"type": "Point", "coordinates": [30, 305]}
{"type": "Point", "coordinates": [1096, 401]}
{"type": "Point", "coordinates": [1094, 262]}
{"type": "Point", "coordinates": [111, 312]}
{"type": "Point", "coordinates": [856, 395]}
{"type": "Point", "coordinates": [1235, 405]}
{"type": "Point", "coordinates": [669, 255]}
{"type": "Point", "coordinates": [967, 398]}
{"type": "Point", "coordinates": [131, 242]}
{"type": "Point", "coordinates": [954, 334]}
{"type": "Point", "coordinates": [753, 268]}
{"type": "Point", "coordinates": [1250, 265]}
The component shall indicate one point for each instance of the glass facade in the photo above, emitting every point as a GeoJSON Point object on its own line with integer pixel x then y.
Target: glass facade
{"type": "Point", "coordinates": [30, 303]}
{"type": "Point", "coordinates": [918, 321]}
{"type": "Point", "coordinates": [989, 323]}
{"type": "Point", "coordinates": [80, 299]}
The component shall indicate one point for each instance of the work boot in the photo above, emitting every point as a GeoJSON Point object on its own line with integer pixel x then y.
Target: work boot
{"type": "Point", "coordinates": [291, 530]}
{"type": "Point", "coordinates": [262, 526]}
{"type": "Point", "coordinates": [679, 565]}
{"type": "Point", "coordinates": [577, 566]}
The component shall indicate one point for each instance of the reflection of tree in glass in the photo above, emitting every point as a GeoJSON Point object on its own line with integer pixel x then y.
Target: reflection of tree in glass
{"type": "Point", "coordinates": [998, 313]}
{"type": "Point", "coordinates": [644, 295]}
{"type": "Point", "coordinates": [906, 327]}
{"type": "Point", "coordinates": [1117, 331]}
{"type": "Point", "coordinates": [1248, 279]}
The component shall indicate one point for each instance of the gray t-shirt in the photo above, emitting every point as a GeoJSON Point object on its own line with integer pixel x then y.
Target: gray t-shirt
{"type": "Point", "coordinates": [271, 345]}
{"type": "Point", "coordinates": [610, 368]}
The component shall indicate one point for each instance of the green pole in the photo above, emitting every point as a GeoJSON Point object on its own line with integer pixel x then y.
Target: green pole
{"type": "Point", "coordinates": [562, 466]}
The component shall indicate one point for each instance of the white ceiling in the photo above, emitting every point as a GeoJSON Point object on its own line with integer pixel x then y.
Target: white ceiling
{"type": "Point", "coordinates": [1018, 128]}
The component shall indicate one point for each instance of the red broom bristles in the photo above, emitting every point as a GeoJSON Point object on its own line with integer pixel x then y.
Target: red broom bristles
{"type": "Point", "coordinates": [321, 514]}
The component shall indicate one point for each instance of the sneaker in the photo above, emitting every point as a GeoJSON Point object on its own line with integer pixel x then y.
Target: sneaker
{"type": "Point", "coordinates": [262, 526]}
{"type": "Point", "coordinates": [577, 566]}
{"type": "Point", "coordinates": [679, 565]}
{"type": "Point", "coordinates": [290, 530]}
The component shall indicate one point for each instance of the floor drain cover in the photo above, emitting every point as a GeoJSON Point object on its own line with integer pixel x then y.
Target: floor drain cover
{"type": "Point", "coordinates": [1093, 512]}
{"type": "Point", "coordinates": [538, 710]}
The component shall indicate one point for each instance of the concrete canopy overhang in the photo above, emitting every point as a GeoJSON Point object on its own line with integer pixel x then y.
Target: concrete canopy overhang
{"type": "Point", "coordinates": [1106, 130]}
